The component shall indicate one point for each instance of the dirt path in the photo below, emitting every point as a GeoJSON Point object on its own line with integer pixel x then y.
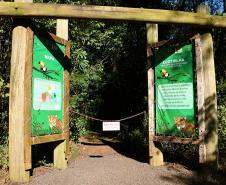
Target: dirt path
{"type": "Point", "coordinates": [96, 163]}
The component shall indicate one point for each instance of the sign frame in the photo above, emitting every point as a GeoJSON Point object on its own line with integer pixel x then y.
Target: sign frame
{"type": "Point", "coordinates": [30, 140]}
{"type": "Point", "coordinates": [56, 137]}
{"type": "Point", "coordinates": [175, 108]}
{"type": "Point", "coordinates": [198, 83]}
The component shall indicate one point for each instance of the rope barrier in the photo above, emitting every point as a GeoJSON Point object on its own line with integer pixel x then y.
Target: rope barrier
{"type": "Point", "coordinates": [102, 120]}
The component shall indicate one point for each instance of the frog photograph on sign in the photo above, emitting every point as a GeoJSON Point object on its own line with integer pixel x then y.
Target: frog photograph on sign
{"type": "Point", "coordinates": [47, 86]}
{"type": "Point", "coordinates": [174, 82]}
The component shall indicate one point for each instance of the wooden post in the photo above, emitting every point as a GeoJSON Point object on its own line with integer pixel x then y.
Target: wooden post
{"type": "Point", "coordinates": [20, 103]}
{"type": "Point", "coordinates": [17, 106]}
{"type": "Point", "coordinates": [210, 102]}
{"type": "Point", "coordinates": [155, 155]}
{"type": "Point", "coordinates": [200, 100]}
{"type": "Point", "coordinates": [207, 103]}
{"type": "Point", "coordinates": [202, 9]}
{"type": "Point", "coordinates": [61, 151]}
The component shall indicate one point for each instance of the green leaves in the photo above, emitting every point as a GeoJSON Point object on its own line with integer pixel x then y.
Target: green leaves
{"type": "Point", "coordinates": [4, 89]}
{"type": "Point", "coordinates": [1, 83]}
{"type": "Point", "coordinates": [4, 158]}
{"type": "Point", "coordinates": [5, 47]}
{"type": "Point", "coordinates": [4, 103]}
{"type": "Point", "coordinates": [221, 108]}
{"type": "Point", "coordinates": [95, 46]}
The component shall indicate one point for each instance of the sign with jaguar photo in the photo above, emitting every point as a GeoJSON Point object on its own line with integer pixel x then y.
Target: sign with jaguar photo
{"type": "Point", "coordinates": [47, 86]}
{"type": "Point", "coordinates": [174, 84]}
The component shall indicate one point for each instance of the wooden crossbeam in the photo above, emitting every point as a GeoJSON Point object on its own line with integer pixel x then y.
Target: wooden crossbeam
{"type": "Point", "coordinates": [16, 9]}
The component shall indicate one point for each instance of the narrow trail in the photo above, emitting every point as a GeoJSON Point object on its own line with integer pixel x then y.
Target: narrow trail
{"type": "Point", "coordinates": [96, 163]}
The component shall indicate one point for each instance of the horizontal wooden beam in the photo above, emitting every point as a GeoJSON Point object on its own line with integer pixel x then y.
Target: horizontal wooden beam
{"type": "Point", "coordinates": [48, 138]}
{"type": "Point", "coordinates": [15, 9]}
{"type": "Point", "coordinates": [174, 139]}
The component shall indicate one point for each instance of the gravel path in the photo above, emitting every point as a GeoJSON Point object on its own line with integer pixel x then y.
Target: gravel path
{"type": "Point", "coordinates": [97, 163]}
{"type": "Point", "coordinates": [116, 170]}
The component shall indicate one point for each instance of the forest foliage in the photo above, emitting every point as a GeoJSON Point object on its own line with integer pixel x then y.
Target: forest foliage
{"type": "Point", "coordinates": [109, 69]}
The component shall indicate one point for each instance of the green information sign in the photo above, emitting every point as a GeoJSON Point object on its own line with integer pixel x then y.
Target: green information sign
{"type": "Point", "coordinates": [174, 84]}
{"type": "Point", "coordinates": [47, 86]}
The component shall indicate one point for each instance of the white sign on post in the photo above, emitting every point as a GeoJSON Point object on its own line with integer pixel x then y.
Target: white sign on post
{"type": "Point", "coordinates": [111, 126]}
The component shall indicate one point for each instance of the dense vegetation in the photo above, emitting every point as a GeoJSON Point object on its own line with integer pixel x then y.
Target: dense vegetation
{"type": "Point", "coordinates": [109, 70]}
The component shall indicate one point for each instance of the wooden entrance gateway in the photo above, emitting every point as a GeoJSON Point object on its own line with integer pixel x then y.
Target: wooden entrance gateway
{"type": "Point", "coordinates": [20, 140]}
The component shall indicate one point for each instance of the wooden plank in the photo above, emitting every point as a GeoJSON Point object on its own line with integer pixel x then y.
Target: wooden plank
{"type": "Point", "coordinates": [155, 155]}
{"type": "Point", "coordinates": [210, 102]}
{"type": "Point", "coordinates": [151, 100]}
{"type": "Point", "coordinates": [66, 97]}
{"type": "Point", "coordinates": [173, 139]}
{"type": "Point", "coordinates": [47, 138]}
{"type": "Point", "coordinates": [109, 13]}
{"type": "Point", "coordinates": [58, 39]}
{"type": "Point", "coordinates": [17, 105]}
{"type": "Point", "coordinates": [62, 149]}
{"type": "Point", "coordinates": [27, 100]}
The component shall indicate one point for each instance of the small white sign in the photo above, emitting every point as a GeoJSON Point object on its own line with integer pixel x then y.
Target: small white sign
{"type": "Point", "coordinates": [111, 126]}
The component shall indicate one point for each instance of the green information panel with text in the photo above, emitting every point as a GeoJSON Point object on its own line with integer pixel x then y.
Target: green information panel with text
{"type": "Point", "coordinates": [47, 86]}
{"type": "Point", "coordinates": [174, 90]}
